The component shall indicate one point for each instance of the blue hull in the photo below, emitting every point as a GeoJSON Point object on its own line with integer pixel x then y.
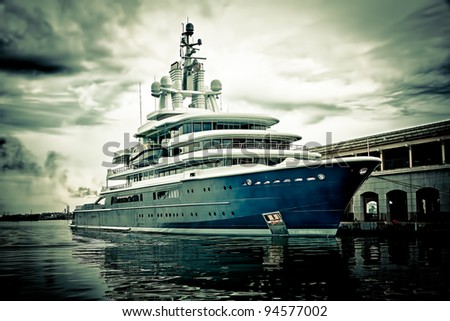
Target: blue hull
{"type": "Point", "coordinates": [309, 200]}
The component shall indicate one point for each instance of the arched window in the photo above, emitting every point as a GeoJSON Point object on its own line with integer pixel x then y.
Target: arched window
{"type": "Point", "coordinates": [428, 204]}
{"type": "Point", "coordinates": [370, 206]}
{"type": "Point", "coordinates": [397, 205]}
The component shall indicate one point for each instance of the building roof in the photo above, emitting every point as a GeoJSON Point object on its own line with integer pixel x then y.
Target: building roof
{"type": "Point", "coordinates": [430, 130]}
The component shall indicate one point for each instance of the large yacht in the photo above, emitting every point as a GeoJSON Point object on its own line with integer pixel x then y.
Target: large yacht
{"type": "Point", "coordinates": [200, 170]}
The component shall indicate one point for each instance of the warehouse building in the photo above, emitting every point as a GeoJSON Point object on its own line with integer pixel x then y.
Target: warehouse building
{"type": "Point", "coordinates": [413, 182]}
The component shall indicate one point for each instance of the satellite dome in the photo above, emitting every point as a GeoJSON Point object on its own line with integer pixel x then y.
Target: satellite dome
{"type": "Point", "coordinates": [166, 82]}
{"type": "Point", "coordinates": [216, 85]}
{"type": "Point", "coordinates": [156, 88]}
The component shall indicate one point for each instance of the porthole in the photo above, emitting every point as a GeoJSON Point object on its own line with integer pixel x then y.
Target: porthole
{"type": "Point", "coordinates": [215, 214]}
{"type": "Point", "coordinates": [248, 182]}
{"type": "Point", "coordinates": [298, 179]}
{"type": "Point", "coordinates": [258, 183]}
{"type": "Point", "coordinates": [209, 213]}
{"type": "Point", "coordinates": [310, 178]}
{"type": "Point", "coordinates": [224, 187]}
{"type": "Point", "coordinates": [287, 180]}
{"type": "Point", "coordinates": [266, 182]}
{"type": "Point", "coordinates": [276, 181]}
{"type": "Point", "coordinates": [363, 170]}
{"type": "Point", "coordinates": [230, 187]}
{"type": "Point", "coordinates": [232, 213]}
{"type": "Point", "coordinates": [321, 177]}
{"type": "Point", "coordinates": [223, 213]}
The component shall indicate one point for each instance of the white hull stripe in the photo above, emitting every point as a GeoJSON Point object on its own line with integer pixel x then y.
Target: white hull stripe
{"type": "Point", "coordinates": [195, 231]}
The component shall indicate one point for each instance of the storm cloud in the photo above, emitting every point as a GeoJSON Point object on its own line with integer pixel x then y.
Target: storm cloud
{"type": "Point", "coordinates": [28, 185]}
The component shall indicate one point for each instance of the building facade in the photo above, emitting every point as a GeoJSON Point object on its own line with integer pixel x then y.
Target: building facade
{"type": "Point", "coordinates": [413, 182]}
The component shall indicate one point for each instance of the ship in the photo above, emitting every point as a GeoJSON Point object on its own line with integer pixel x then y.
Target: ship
{"type": "Point", "coordinates": [197, 169]}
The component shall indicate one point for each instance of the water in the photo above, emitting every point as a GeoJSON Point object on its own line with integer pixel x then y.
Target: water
{"type": "Point", "coordinates": [45, 260]}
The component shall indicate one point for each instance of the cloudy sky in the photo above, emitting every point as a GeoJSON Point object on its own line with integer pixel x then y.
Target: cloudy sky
{"type": "Point", "coordinates": [70, 74]}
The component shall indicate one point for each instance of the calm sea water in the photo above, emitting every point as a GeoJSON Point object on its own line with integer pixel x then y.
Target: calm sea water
{"type": "Point", "coordinates": [45, 260]}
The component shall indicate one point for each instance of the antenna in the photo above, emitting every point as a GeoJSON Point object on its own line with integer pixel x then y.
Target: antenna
{"type": "Point", "coordinates": [140, 104]}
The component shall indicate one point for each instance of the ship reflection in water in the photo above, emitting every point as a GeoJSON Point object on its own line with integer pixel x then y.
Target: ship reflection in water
{"type": "Point", "coordinates": [162, 267]}
{"type": "Point", "coordinates": [47, 261]}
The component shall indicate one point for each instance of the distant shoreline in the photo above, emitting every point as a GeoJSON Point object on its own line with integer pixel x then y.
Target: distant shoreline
{"type": "Point", "coordinates": [34, 217]}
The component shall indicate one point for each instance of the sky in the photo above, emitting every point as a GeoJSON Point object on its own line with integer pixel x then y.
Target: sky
{"type": "Point", "coordinates": [70, 74]}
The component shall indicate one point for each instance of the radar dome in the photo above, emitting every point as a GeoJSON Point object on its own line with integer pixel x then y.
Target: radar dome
{"type": "Point", "coordinates": [156, 88]}
{"type": "Point", "coordinates": [216, 85]}
{"type": "Point", "coordinates": [166, 82]}
{"type": "Point", "coordinates": [190, 29]}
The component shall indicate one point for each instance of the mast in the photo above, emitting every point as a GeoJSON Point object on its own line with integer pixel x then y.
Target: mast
{"type": "Point", "coordinates": [187, 79]}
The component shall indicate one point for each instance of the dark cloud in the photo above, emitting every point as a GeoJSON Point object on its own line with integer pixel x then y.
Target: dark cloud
{"type": "Point", "coordinates": [32, 65]}
{"type": "Point", "coordinates": [15, 157]}
{"type": "Point", "coordinates": [25, 183]}
{"type": "Point", "coordinates": [83, 192]}
{"type": "Point", "coordinates": [417, 50]}
{"type": "Point", "coordinates": [312, 112]}
{"type": "Point", "coordinates": [58, 36]}
{"type": "Point", "coordinates": [50, 53]}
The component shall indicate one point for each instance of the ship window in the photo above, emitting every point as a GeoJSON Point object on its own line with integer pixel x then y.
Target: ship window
{"type": "Point", "coordinates": [298, 179]}
{"type": "Point", "coordinates": [197, 127]}
{"type": "Point", "coordinates": [207, 126]}
{"type": "Point", "coordinates": [187, 128]}
{"type": "Point", "coordinates": [209, 213]}
{"type": "Point", "coordinates": [166, 194]}
{"type": "Point", "coordinates": [232, 213]}
{"type": "Point", "coordinates": [223, 213]}
{"type": "Point", "coordinates": [287, 180]}
{"type": "Point", "coordinates": [227, 143]}
{"type": "Point", "coordinates": [126, 199]}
